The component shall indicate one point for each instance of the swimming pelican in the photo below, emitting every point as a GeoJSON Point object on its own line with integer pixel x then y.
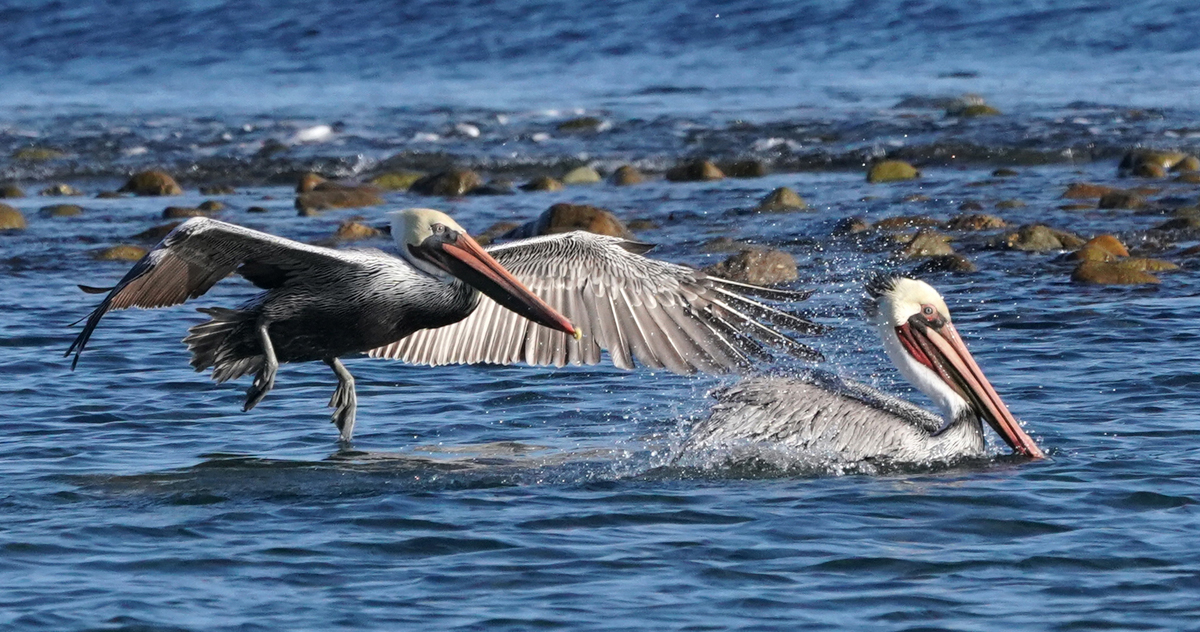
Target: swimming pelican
{"type": "Point", "coordinates": [846, 422]}
{"type": "Point", "coordinates": [321, 304]}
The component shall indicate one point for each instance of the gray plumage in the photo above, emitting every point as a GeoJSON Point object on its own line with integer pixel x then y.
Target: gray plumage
{"type": "Point", "coordinates": [643, 311]}
{"type": "Point", "coordinates": [832, 420]}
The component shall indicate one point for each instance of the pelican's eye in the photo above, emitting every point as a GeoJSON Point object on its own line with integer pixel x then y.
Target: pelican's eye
{"type": "Point", "coordinates": [438, 229]}
{"type": "Point", "coordinates": [928, 311]}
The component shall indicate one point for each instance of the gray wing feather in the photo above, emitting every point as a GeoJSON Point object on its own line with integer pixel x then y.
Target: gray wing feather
{"type": "Point", "coordinates": [200, 252]}
{"type": "Point", "coordinates": [640, 310]}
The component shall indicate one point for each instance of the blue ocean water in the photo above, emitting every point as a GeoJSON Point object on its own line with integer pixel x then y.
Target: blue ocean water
{"type": "Point", "coordinates": [136, 496]}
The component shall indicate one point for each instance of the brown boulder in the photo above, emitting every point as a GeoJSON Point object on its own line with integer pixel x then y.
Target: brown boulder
{"type": "Point", "coordinates": [927, 243]}
{"type": "Point", "coordinates": [782, 199]}
{"type": "Point", "coordinates": [396, 180]}
{"type": "Point", "coordinates": [975, 221]}
{"type": "Point", "coordinates": [211, 206]}
{"type": "Point", "coordinates": [1042, 238]}
{"type": "Point", "coordinates": [308, 182]}
{"type": "Point", "coordinates": [563, 218]}
{"type": "Point", "coordinates": [850, 225]}
{"type": "Point", "coordinates": [902, 222]}
{"type": "Point", "coordinates": [1187, 177]}
{"type": "Point", "coordinates": [321, 200]}
{"type": "Point", "coordinates": [1010, 204]}
{"type": "Point", "coordinates": [757, 266]}
{"type": "Point", "coordinates": [1084, 190]}
{"type": "Point", "coordinates": [11, 218]}
{"type": "Point", "coordinates": [61, 210]}
{"type": "Point", "coordinates": [1189, 163]}
{"type": "Point", "coordinates": [122, 252]}
{"type": "Point", "coordinates": [626, 175]}
{"type": "Point", "coordinates": [1148, 170]}
{"type": "Point", "coordinates": [352, 231]}
{"type": "Point", "coordinates": [1148, 161]}
{"type": "Point", "coordinates": [744, 168]}
{"type": "Point", "coordinates": [11, 191]}
{"type": "Point", "coordinates": [1110, 273]}
{"type": "Point", "coordinates": [891, 171]}
{"type": "Point", "coordinates": [543, 183]}
{"type": "Point", "coordinates": [447, 183]}
{"type": "Point", "coordinates": [151, 183]}
{"type": "Point", "coordinates": [494, 231]}
{"type": "Point", "coordinates": [694, 171]}
{"type": "Point", "coordinates": [581, 175]}
{"type": "Point", "coordinates": [1121, 200]}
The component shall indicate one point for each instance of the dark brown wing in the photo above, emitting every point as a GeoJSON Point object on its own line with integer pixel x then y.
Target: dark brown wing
{"type": "Point", "coordinates": [197, 254]}
{"type": "Point", "coordinates": [657, 313]}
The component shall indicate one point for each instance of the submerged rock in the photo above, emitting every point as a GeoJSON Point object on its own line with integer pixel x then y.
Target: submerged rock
{"type": "Point", "coordinates": [581, 124]}
{"type": "Point", "coordinates": [493, 187]}
{"type": "Point", "coordinates": [452, 183]}
{"type": "Point", "coordinates": [927, 243]}
{"type": "Point", "coordinates": [1149, 162]}
{"type": "Point", "coordinates": [156, 233]}
{"type": "Point", "coordinates": [1121, 200]}
{"type": "Point", "coordinates": [1005, 173]}
{"type": "Point", "coordinates": [351, 230]}
{"type": "Point", "coordinates": [1100, 248]}
{"type": "Point", "coordinates": [151, 183]}
{"type": "Point", "coordinates": [1010, 204]}
{"type": "Point", "coordinates": [396, 180]}
{"type": "Point", "coordinates": [1189, 163]}
{"type": "Point", "coordinates": [757, 266]}
{"type": "Point", "coordinates": [1042, 238]}
{"type": "Point", "coordinates": [694, 171]}
{"type": "Point", "coordinates": [850, 225]}
{"type": "Point", "coordinates": [37, 154]}
{"type": "Point", "coordinates": [211, 206]}
{"type": "Point", "coordinates": [217, 189]}
{"type": "Point", "coordinates": [782, 199]}
{"type": "Point", "coordinates": [309, 182]}
{"type": "Point", "coordinates": [901, 222]}
{"type": "Point", "coordinates": [563, 218]}
{"type": "Point", "coordinates": [11, 218]}
{"type": "Point", "coordinates": [1086, 190]}
{"type": "Point", "coordinates": [321, 200]}
{"type": "Point", "coordinates": [891, 171]}
{"type": "Point", "coordinates": [975, 221]}
{"type": "Point", "coordinates": [61, 190]}
{"type": "Point", "coordinates": [61, 210]}
{"type": "Point", "coordinates": [121, 252]}
{"type": "Point", "coordinates": [1111, 273]}
{"type": "Point", "coordinates": [11, 191]}
{"type": "Point", "coordinates": [581, 175]}
{"type": "Point", "coordinates": [976, 110]}
{"type": "Point", "coordinates": [744, 168]}
{"type": "Point", "coordinates": [626, 175]}
{"type": "Point", "coordinates": [954, 263]}
{"type": "Point", "coordinates": [542, 183]}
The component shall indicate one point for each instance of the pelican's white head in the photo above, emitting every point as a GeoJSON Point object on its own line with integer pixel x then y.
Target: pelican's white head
{"type": "Point", "coordinates": [412, 226]}
{"type": "Point", "coordinates": [914, 322]}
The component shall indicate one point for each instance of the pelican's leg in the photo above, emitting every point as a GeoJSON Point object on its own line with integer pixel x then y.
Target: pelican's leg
{"type": "Point", "coordinates": [344, 400]}
{"type": "Point", "coordinates": [264, 380]}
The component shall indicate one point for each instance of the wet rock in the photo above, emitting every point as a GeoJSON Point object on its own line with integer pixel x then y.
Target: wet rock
{"type": "Point", "coordinates": [1110, 273]}
{"type": "Point", "coordinates": [396, 180]}
{"type": "Point", "coordinates": [1076, 207]}
{"type": "Point", "coordinates": [1010, 204]}
{"type": "Point", "coordinates": [850, 225]}
{"type": "Point", "coordinates": [60, 190]}
{"type": "Point", "coordinates": [974, 111]}
{"type": "Point", "coordinates": [217, 189]}
{"type": "Point", "coordinates": [494, 231]}
{"type": "Point", "coordinates": [1085, 190]}
{"type": "Point", "coordinates": [581, 175]}
{"type": "Point", "coordinates": [270, 147]}
{"type": "Point", "coordinates": [1121, 200]}
{"type": "Point", "coordinates": [915, 197]}
{"type": "Point", "coordinates": [108, 195]}
{"type": "Point", "coordinates": [1180, 223]}
{"type": "Point", "coordinates": [626, 175]}
{"type": "Point", "coordinates": [927, 243]}
{"type": "Point", "coordinates": [1108, 244]}
{"type": "Point", "coordinates": [955, 263]}
{"type": "Point", "coordinates": [782, 199]}
{"type": "Point", "coordinates": [642, 224]}
{"type": "Point", "coordinates": [151, 183]}
{"type": "Point", "coordinates": [211, 206]}
{"type": "Point", "coordinates": [321, 200]}
{"type": "Point", "coordinates": [183, 212]}
{"type": "Point", "coordinates": [581, 124]}
{"type": "Point", "coordinates": [694, 171]}
{"type": "Point", "coordinates": [11, 191]}
{"type": "Point", "coordinates": [447, 183]}
{"type": "Point", "coordinates": [256, 209]}
{"type": "Point", "coordinates": [1187, 177]}
{"type": "Point", "coordinates": [757, 266]}
{"type": "Point", "coordinates": [902, 222]}
{"type": "Point", "coordinates": [971, 205]}
{"type": "Point", "coordinates": [122, 252]}
{"type": "Point", "coordinates": [976, 221]}
{"type": "Point", "coordinates": [37, 154]}
{"type": "Point", "coordinates": [744, 168]}
{"type": "Point", "coordinates": [1005, 173]}
{"type": "Point", "coordinates": [725, 244]}
{"type": "Point", "coordinates": [61, 210]}
{"type": "Point", "coordinates": [562, 218]}
{"type": "Point", "coordinates": [11, 218]}
{"type": "Point", "coordinates": [353, 231]}
{"type": "Point", "coordinates": [309, 182]}
{"type": "Point", "coordinates": [1189, 163]}
{"type": "Point", "coordinates": [891, 171]}
{"type": "Point", "coordinates": [1145, 161]}
{"type": "Point", "coordinates": [1042, 238]}
{"type": "Point", "coordinates": [961, 103]}
{"type": "Point", "coordinates": [156, 233]}
{"type": "Point", "coordinates": [542, 183]}
{"type": "Point", "coordinates": [494, 187]}
{"type": "Point", "coordinates": [1149, 170]}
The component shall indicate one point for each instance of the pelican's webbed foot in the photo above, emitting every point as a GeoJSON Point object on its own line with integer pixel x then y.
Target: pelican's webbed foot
{"type": "Point", "coordinates": [264, 380]}
{"type": "Point", "coordinates": [344, 401]}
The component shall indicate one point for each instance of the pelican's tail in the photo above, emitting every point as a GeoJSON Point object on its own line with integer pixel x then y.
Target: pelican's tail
{"type": "Point", "coordinates": [226, 343]}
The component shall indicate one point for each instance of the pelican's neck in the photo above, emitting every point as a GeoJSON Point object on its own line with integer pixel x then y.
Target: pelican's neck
{"type": "Point", "coordinates": [950, 403]}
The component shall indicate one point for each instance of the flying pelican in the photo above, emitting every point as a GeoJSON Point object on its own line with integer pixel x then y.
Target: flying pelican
{"type": "Point", "coordinates": [321, 304]}
{"type": "Point", "coordinates": [846, 422]}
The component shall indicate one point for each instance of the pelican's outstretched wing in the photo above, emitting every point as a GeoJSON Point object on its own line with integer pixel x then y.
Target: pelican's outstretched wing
{"type": "Point", "coordinates": [659, 314]}
{"type": "Point", "coordinates": [200, 252]}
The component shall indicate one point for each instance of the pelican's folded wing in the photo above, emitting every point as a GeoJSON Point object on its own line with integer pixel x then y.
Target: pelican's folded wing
{"type": "Point", "coordinates": [197, 254]}
{"type": "Point", "coordinates": [638, 309]}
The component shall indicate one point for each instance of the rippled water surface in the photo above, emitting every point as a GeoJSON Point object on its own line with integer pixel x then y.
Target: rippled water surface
{"type": "Point", "coordinates": [136, 496]}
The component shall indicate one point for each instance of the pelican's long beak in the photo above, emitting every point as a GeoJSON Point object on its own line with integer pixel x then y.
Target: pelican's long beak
{"type": "Point", "coordinates": [467, 260]}
{"type": "Point", "coordinates": [943, 350]}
